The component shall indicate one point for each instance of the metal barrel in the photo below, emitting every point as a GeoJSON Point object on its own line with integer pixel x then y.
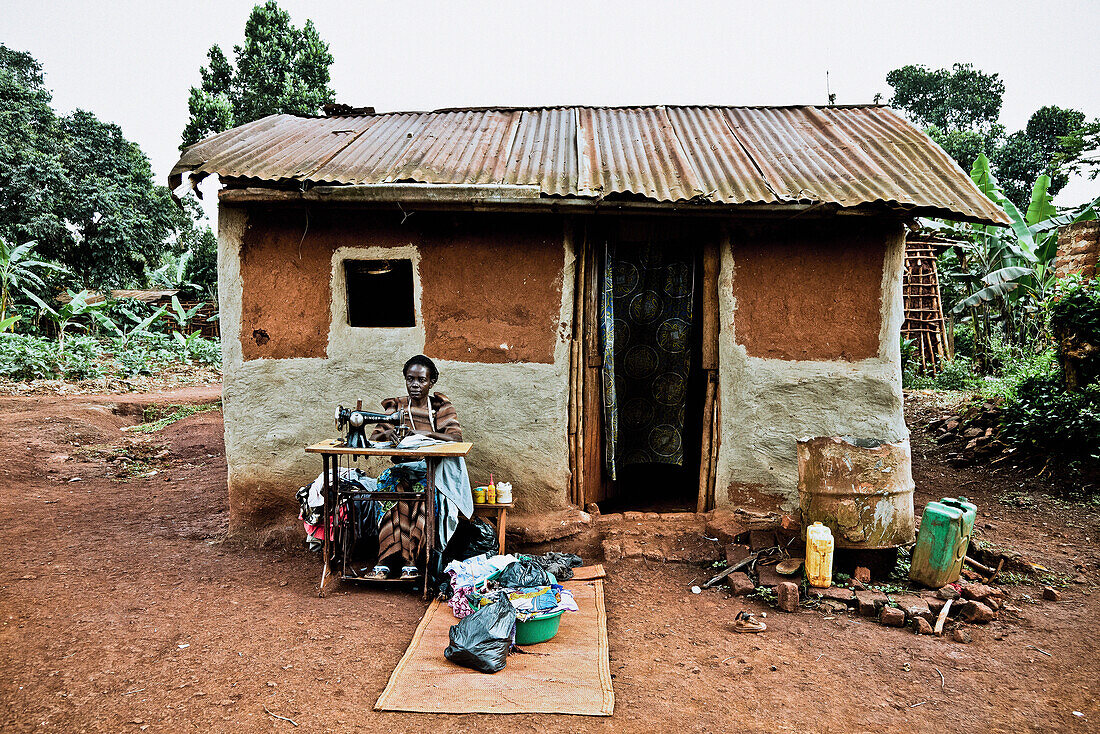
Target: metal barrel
{"type": "Point", "coordinates": [862, 489]}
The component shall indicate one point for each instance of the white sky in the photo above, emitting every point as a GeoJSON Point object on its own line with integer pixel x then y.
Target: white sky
{"type": "Point", "coordinates": [133, 63]}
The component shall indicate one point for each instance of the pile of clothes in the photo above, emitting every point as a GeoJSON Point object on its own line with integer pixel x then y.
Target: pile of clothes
{"type": "Point", "coordinates": [490, 593]}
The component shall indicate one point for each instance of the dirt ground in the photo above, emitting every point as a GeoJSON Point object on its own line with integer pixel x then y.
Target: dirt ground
{"type": "Point", "coordinates": [125, 609]}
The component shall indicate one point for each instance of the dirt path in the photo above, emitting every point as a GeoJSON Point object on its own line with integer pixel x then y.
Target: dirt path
{"type": "Point", "coordinates": [124, 610]}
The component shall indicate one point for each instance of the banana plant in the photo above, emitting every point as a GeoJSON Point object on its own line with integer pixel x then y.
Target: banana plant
{"type": "Point", "coordinates": [173, 273]}
{"type": "Point", "coordinates": [138, 326]}
{"type": "Point", "coordinates": [18, 275]}
{"type": "Point", "coordinates": [66, 317]}
{"type": "Point", "coordinates": [1018, 263]}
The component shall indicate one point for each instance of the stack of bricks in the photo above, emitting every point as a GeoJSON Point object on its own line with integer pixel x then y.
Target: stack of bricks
{"type": "Point", "coordinates": [1079, 249]}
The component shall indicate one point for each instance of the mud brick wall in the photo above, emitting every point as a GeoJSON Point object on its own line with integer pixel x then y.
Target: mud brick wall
{"type": "Point", "coordinates": [1079, 249]}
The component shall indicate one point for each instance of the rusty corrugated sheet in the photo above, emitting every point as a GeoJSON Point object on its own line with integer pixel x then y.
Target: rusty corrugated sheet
{"type": "Point", "coordinates": [726, 155]}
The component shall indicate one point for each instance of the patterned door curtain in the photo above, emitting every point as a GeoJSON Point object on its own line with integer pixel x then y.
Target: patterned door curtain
{"type": "Point", "coordinates": [646, 329]}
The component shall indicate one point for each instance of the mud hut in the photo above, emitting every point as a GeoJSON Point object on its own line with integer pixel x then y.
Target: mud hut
{"type": "Point", "coordinates": [643, 306]}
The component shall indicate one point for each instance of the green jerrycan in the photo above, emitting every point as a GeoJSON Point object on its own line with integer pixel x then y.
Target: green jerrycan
{"type": "Point", "coordinates": [942, 541]}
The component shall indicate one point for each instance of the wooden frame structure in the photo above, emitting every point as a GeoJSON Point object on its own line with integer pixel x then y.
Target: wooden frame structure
{"type": "Point", "coordinates": [924, 322]}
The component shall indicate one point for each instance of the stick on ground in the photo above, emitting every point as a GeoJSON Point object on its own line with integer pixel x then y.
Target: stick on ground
{"type": "Point", "coordinates": [941, 619]}
{"type": "Point", "coordinates": [282, 718]}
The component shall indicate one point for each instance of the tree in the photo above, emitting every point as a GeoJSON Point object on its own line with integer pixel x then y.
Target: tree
{"type": "Point", "coordinates": [77, 186]}
{"type": "Point", "coordinates": [961, 98]}
{"type": "Point", "coordinates": [1045, 147]}
{"type": "Point", "coordinates": [959, 108]}
{"type": "Point", "coordinates": [279, 69]}
{"type": "Point", "coordinates": [31, 172]}
{"type": "Point", "coordinates": [119, 221]}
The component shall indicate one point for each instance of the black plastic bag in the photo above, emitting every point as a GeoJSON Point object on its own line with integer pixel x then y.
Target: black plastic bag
{"type": "Point", "coordinates": [561, 565]}
{"type": "Point", "coordinates": [482, 640]}
{"type": "Point", "coordinates": [475, 537]}
{"type": "Point", "coordinates": [522, 574]}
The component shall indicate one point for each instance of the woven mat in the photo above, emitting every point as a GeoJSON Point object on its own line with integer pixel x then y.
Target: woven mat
{"type": "Point", "coordinates": [569, 674]}
{"type": "Point", "coordinates": [587, 573]}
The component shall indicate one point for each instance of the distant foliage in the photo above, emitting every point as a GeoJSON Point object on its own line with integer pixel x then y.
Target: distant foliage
{"type": "Point", "coordinates": [278, 69]}
{"type": "Point", "coordinates": [959, 108]}
{"type": "Point", "coordinates": [78, 188]}
{"type": "Point", "coordinates": [25, 357]}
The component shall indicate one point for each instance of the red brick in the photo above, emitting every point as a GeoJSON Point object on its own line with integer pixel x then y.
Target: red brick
{"type": "Point", "coordinates": [787, 596]}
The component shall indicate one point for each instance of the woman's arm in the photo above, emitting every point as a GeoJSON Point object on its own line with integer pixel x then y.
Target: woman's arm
{"type": "Point", "coordinates": [447, 427]}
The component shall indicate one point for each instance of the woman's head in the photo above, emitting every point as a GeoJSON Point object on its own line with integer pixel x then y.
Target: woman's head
{"type": "Point", "coordinates": [420, 374]}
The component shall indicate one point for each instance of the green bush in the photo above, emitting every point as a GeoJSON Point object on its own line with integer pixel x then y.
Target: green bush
{"type": "Point", "coordinates": [964, 339]}
{"type": "Point", "coordinates": [1076, 310]}
{"type": "Point", "coordinates": [958, 374]}
{"type": "Point", "coordinates": [26, 357]}
{"type": "Point", "coordinates": [1046, 418]}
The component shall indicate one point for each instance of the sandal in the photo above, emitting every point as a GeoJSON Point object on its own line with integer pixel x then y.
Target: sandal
{"type": "Point", "coordinates": [745, 622]}
{"type": "Point", "coordinates": [379, 573]}
{"type": "Point", "coordinates": [410, 572]}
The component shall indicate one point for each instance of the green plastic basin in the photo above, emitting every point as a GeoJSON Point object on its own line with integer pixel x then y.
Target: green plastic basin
{"type": "Point", "coordinates": [537, 630]}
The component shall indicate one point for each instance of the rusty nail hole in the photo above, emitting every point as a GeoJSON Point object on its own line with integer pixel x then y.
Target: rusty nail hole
{"type": "Point", "coordinates": [261, 337]}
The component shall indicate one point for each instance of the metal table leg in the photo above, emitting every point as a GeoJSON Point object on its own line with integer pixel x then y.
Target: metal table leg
{"type": "Point", "coordinates": [429, 545]}
{"type": "Point", "coordinates": [326, 521]}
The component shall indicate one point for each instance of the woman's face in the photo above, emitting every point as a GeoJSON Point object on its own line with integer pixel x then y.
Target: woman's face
{"type": "Point", "coordinates": [417, 382]}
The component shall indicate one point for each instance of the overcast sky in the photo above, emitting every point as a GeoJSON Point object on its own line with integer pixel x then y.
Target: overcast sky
{"type": "Point", "coordinates": [133, 63]}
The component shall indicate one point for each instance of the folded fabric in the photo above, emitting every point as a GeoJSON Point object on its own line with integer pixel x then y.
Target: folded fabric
{"type": "Point", "coordinates": [416, 440]}
{"type": "Point", "coordinates": [536, 603]}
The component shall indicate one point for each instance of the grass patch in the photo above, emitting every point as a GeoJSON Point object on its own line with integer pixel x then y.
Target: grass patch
{"type": "Point", "coordinates": [133, 461]}
{"type": "Point", "coordinates": [158, 417]}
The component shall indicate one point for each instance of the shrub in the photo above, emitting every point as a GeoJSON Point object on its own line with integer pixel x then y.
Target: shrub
{"type": "Point", "coordinates": [957, 374]}
{"type": "Point", "coordinates": [24, 357]}
{"type": "Point", "coordinates": [1046, 418]}
{"type": "Point", "coordinates": [1076, 310]}
{"type": "Point", "coordinates": [963, 334]}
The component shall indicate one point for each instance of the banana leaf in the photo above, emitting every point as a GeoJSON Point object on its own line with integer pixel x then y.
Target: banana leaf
{"type": "Point", "coordinates": [1005, 275]}
{"type": "Point", "coordinates": [1040, 207]}
{"type": "Point", "coordinates": [1086, 213]}
{"type": "Point", "coordinates": [985, 295]}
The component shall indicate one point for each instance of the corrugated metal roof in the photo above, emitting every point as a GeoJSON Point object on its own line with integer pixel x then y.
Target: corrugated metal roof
{"type": "Point", "coordinates": [721, 155]}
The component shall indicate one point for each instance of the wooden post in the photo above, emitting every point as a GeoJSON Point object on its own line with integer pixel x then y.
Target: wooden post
{"type": "Point", "coordinates": [579, 321]}
{"type": "Point", "coordinates": [704, 454]}
{"type": "Point", "coordinates": [715, 445]}
{"type": "Point", "coordinates": [575, 365]}
{"type": "Point", "coordinates": [710, 328]}
{"type": "Point", "coordinates": [710, 306]}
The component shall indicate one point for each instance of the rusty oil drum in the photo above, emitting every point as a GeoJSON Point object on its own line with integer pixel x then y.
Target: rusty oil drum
{"type": "Point", "coordinates": [862, 489]}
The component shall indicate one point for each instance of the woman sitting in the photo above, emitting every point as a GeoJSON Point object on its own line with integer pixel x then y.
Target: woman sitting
{"type": "Point", "coordinates": [403, 524]}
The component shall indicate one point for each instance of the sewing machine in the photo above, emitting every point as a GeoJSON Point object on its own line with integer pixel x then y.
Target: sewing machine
{"type": "Point", "coordinates": [355, 420]}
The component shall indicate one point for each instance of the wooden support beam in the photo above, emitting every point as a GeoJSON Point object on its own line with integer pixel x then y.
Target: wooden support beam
{"type": "Point", "coordinates": [705, 453]}
{"type": "Point", "coordinates": [710, 320]}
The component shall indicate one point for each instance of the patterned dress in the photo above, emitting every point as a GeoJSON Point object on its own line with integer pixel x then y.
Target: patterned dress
{"type": "Point", "coordinates": [403, 524]}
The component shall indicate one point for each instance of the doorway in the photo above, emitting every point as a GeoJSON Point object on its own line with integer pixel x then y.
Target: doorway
{"type": "Point", "coordinates": [652, 385]}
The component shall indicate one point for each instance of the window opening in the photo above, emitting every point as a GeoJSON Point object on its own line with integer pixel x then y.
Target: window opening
{"type": "Point", "coordinates": [380, 293]}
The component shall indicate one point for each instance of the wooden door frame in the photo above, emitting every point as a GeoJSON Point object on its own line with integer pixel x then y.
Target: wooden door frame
{"type": "Point", "coordinates": [588, 481]}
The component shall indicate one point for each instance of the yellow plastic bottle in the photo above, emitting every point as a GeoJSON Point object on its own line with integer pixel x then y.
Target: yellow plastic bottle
{"type": "Point", "coordinates": [491, 492]}
{"type": "Point", "coordinates": [819, 556]}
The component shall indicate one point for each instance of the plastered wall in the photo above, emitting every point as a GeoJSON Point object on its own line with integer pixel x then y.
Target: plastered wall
{"type": "Point", "coordinates": [491, 291]}
{"type": "Point", "coordinates": [810, 316]}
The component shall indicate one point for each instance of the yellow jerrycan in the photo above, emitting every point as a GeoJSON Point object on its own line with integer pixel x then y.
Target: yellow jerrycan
{"type": "Point", "coordinates": [819, 556]}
